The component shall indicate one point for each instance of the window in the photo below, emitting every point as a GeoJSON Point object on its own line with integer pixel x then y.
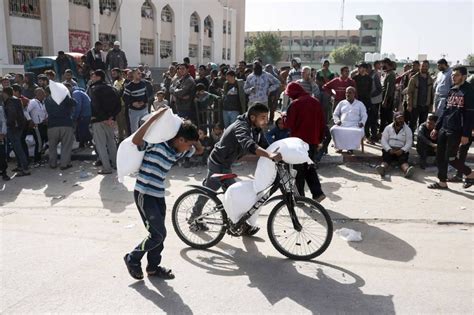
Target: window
{"type": "Point", "coordinates": [107, 40]}
{"type": "Point", "coordinates": [223, 53]}
{"type": "Point", "coordinates": [166, 49]}
{"type": "Point", "coordinates": [84, 3]}
{"type": "Point", "coordinates": [224, 24]}
{"type": "Point", "coordinates": [147, 46]}
{"type": "Point", "coordinates": [208, 26]}
{"type": "Point", "coordinates": [22, 54]}
{"type": "Point", "coordinates": [229, 28]}
{"type": "Point", "coordinates": [307, 56]}
{"type": "Point", "coordinates": [206, 52]}
{"type": "Point", "coordinates": [108, 6]}
{"type": "Point", "coordinates": [147, 10]}
{"type": "Point", "coordinates": [166, 14]}
{"type": "Point", "coordinates": [193, 51]}
{"type": "Point", "coordinates": [25, 8]}
{"type": "Point", "coordinates": [228, 53]}
{"type": "Point", "coordinates": [194, 22]}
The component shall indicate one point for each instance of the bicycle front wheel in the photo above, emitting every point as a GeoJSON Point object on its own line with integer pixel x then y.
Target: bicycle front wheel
{"type": "Point", "coordinates": [314, 237]}
{"type": "Point", "coordinates": [197, 219]}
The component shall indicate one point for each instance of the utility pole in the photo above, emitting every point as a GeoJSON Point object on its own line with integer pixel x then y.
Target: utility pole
{"type": "Point", "coordinates": [342, 14]}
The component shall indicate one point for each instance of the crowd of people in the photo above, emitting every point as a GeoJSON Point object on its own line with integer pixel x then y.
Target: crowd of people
{"type": "Point", "coordinates": [371, 102]}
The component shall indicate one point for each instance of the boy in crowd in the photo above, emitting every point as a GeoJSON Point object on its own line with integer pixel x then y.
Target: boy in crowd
{"type": "Point", "coordinates": [159, 101]}
{"type": "Point", "coordinates": [150, 193]}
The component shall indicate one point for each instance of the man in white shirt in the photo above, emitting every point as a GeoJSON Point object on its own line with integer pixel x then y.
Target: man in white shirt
{"type": "Point", "coordinates": [349, 117]}
{"type": "Point", "coordinates": [396, 141]}
{"type": "Point", "coordinates": [39, 116]}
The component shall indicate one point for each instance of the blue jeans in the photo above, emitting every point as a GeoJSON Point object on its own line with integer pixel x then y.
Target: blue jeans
{"type": "Point", "coordinates": [14, 136]}
{"type": "Point", "coordinates": [135, 116]}
{"type": "Point", "coordinates": [229, 117]}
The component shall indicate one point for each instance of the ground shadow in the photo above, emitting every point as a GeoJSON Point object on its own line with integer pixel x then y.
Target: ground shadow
{"type": "Point", "coordinates": [113, 194]}
{"type": "Point", "coordinates": [319, 287]}
{"type": "Point", "coordinates": [376, 242]}
{"type": "Point", "coordinates": [164, 297]}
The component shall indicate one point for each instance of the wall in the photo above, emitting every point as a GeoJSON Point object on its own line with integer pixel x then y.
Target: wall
{"type": "Point", "coordinates": [30, 34]}
{"type": "Point", "coordinates": [4, 33]}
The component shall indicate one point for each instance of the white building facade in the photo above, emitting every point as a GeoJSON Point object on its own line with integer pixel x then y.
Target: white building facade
{"type": "Point", "coordinates": [155, 32]}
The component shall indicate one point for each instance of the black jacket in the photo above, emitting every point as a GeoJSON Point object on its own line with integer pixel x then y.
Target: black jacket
{"type": "Point", "coordinates": [238, 140]}
{"type": "Point", "coordinates": [457, 116]}
{"type": "Point", "coordinates": [14, 113]}
{"type": "Point", "coordinates": [105, 102]}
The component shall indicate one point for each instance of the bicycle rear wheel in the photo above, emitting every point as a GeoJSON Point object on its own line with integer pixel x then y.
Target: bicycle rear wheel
{"type": "Point", "coordinates": [311, 241]}
{"type": "Point", "coordinates": [199, 233]}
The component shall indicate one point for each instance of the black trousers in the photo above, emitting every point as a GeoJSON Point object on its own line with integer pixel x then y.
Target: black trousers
{"type": "Point", "coordinates": [462, 154]}
{"type": "Point", "coordinates": [416, 117]}
{"type": "Point", "coordinates": [3, 156]}
{"type": "Point", "coordinates": [386, 116]}
{"type": "Point", "coordinates": [152, 211]}
{"type": "Point", "coordinates": [307, 173]}
{"type": "Point", "coordinates": [370, 127]}
{"type": "Point", "coordinates": [448, 145]}
{"type": "Point", "coordinates": [424, 151]}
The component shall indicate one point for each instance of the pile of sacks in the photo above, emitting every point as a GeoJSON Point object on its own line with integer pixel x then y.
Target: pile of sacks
{"type": "Point", "coordinates": [293, 151]}
{"type": "Point", "coordinates": [129, 158]}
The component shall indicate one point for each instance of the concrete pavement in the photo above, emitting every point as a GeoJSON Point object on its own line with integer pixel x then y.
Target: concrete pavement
{"type": "Point", "coordinates": [63, 238]}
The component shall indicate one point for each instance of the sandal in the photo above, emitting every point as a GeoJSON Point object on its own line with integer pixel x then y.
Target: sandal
{"type": "Point", "coordinates": [160, 272]}
{"type": "Point", "coordinates": [468, 182]}
{"type": "Point", "coordinates": [455, 179]}
{"type": "Point", "coordinates": [437, 186]}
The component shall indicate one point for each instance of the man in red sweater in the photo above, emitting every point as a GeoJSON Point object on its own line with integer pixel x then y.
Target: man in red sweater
{"type": "Point", "coordinates": [339, 85]}
{"type": "Point", "coordinates": [305, 119]}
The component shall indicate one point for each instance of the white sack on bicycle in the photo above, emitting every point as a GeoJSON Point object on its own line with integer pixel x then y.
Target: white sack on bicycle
{"type": "Point", "coordinates": [265, 174]}
{"type": "Point", "coordinates": [238, 199]}
{"type": "Point", "coordinates": [163, 129]}
{"type": "Point", "coordinates": [293, 150]}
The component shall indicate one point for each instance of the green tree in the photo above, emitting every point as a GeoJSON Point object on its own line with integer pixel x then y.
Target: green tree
{"type": "Point", "coordinates": [470, 59]}
{"type": "Point", "coordinates": [347, 55]}
{"type": "Point", "coordinates": [266, 46]}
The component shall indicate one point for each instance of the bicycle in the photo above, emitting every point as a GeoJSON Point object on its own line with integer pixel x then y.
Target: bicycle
{"type": "Point", "coordinates": [298, 227]}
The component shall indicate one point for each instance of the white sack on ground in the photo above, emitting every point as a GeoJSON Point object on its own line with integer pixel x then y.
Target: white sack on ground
{"type": "Point", "coordinates": [58, 91]}
{"type": "Point", "coordinates": [164, 129]}
{"type": "Point", "coordinates": [238, 199]}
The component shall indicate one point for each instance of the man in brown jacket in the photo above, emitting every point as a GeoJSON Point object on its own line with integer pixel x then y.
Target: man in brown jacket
{"type": "Point", "coordinates": [419, 97]}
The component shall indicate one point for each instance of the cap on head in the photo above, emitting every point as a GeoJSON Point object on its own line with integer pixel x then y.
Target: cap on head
{"type": "Point", "coordinates": [116, 43]}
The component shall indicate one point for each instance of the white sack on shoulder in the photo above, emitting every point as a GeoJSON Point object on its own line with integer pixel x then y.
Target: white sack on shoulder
{"type": "Point", "coordinates": [293, 150]}
{"type": "Point", "coordinates": [58, 91]}
{"type": "Point", "coordinates": [129, 158]}
{"type": "Point", "coordinates": [238, 199]}
{"type": "Point", "coordinates": [164, 129]}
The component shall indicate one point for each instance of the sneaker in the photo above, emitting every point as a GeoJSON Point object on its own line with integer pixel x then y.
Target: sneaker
{"type": "Point", "coordinates": [160, 272]}
{"type": "Point", "coordinates": [5, 177]}
{"type": "Point", "coordinates": [250, 230]}
{"type": "Point", "coordinates": [319, 198]}
{"type": "Point", "coordinates": [23, 173]}
{"type": "Point", "coordinates": [381, 170]}
{"type": "Point", "coordinates": [135, 270]}
{"type": "Point", "coordinates": [409, 172]}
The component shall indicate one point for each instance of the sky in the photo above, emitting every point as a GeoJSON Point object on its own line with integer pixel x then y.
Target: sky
{"type": "Point", "coordinates": [410, 28]}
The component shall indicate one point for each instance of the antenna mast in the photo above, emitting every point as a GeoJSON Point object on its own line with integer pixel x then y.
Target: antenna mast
{"type": "Point", "coordinates": [342, 14]}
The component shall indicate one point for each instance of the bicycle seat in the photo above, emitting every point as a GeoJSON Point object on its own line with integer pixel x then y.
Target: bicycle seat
{"type": "Point", "coordinates": [223, 177]}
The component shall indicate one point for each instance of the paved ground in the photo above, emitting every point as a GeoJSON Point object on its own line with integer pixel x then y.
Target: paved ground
{"type": "Point", "coordinates": [63, 238]}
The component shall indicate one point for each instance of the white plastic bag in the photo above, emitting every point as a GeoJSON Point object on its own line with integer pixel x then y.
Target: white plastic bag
{"type": "Point", "coordinates": [265, 174]}
{"type": "Point", "coordinates": [58, 91]}
{"type": "Point", "coordinates": [349, 235]}
{"type": "Point", "coordinates": [293, 150]}
{"type": "Point", "coordinates": [238, 199]}
{"type": "Point", "coordinates": [129, 158]}
{"type": "Point", "coordinates": [164, 129]}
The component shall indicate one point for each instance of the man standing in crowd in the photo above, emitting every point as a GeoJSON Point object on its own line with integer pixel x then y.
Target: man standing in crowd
{"type": "Point", "coordinates": [234, 98]}
{"type": "Point", "coordinates": [191, 68]}
{"type": "Point", "coordinates": [323, 76]}
{"type": "Point", "coordinates": [60, 130]}
{"type": "Point", "coordinates": [442, 84]}
{"type": "Point", "coordinates": [396, 143]}
{"type": "Point", "coordinates": [63, 63]}
{"type": "Point", "coordinates": [94, 57]}
{"type": "Point", "coordinates": [339, 85]}
{"type": "Point", "coordinates": [3, 142]}
{"type": "Point", "coordinates": [43, 81]}
{"type": "Point", "coordinates": [105, 107]}
{"type": "Point", "coordinates": [363, 83]}
{"type": "Point", "coordinates": [295, 73]}
{"type": "Point", "coordinates": [39, 116]}
{"type": "Point", "coordinates": [419, 96]}
{"type": "Point", "coordinates": [308, 84]}
{"type": "Point", "coordinates": [29, 86]}
{"type": "Point", "coordinates": [259, 85]}
{"type": "Point", "coordinates": [116, 58]}
{"type": "Point", "coordinates": [425, 145]}
{"type": "Point", "coordinates": [136, 99]}
{"type": "Point", "coordinates": [388, 94]}
{"type": "Point", "coordinates": [183, 91]}
{"type": "Point", "coordinates": [202, 79]}
{"type": "Point", "coordinates": [241, 71]}
{"type": "Point", "coordinates": [349, 118]}
{"type": "Point", "coordinates": [376, 100]}
{"type": "Point", "coordinates": [454, 127]}
{"type": "Point", "coordinates": [121, 119]}
{"type": "Point", "coordinates": [168, 78]}
{"type": "Point", "coordinates": [305, 119]}
{"type": "Point", "coordinates": [68, 78]}
{"type": "Point", "coordinates": [82, 114]}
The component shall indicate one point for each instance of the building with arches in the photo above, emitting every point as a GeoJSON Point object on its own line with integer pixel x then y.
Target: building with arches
{"type": "Point", "coordinates": [314, 46]}
{"type": "Point", "coordinates": [155, 32]}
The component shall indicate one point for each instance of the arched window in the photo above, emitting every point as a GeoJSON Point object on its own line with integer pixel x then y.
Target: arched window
{"type": "Point", "coordinates": [147, 10]}
{"type": "Point", "coordinates": [194, 22]}
{"type": "Point", "coordinates": [208, 26]}
{"type": "Point", "coordinates": [167, 14]}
